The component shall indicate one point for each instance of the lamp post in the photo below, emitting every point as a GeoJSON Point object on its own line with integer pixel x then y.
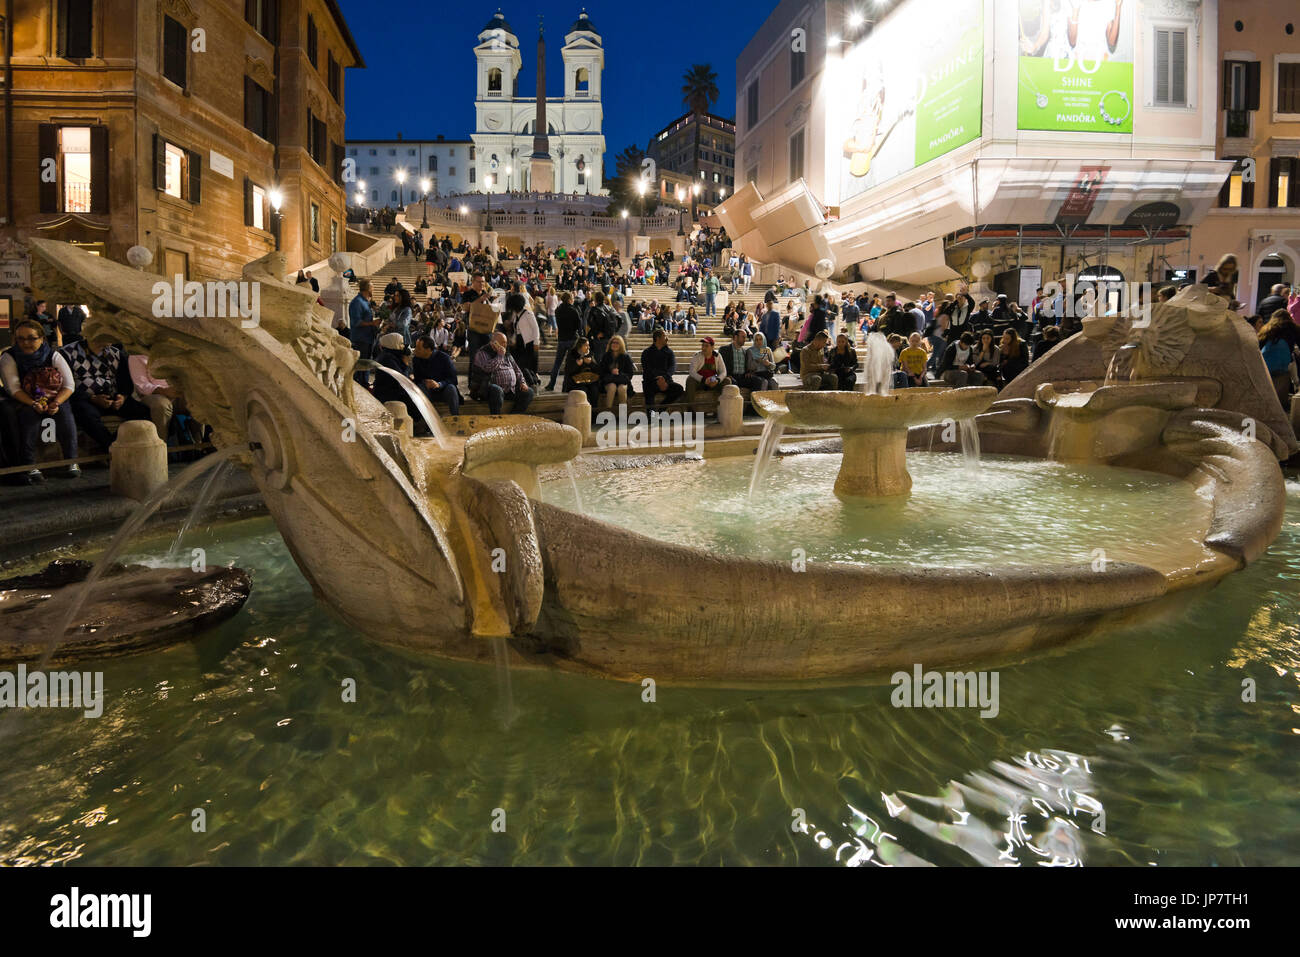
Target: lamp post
{"type": "Point", "coordinates": [695, 201]}
{"type": "Point", "coordinates": [681, 211]}
{"type": "Point", "coordinates": [640, 191]}
{"type": "Point", "coordinates": [277, 200]}
{"type": "Point", "coordinates": [509, 170]}
{"type": "Point", "coordinates": [487, 226]}
{"type": "Point", "coordinates": [401, 181]}
{"type": "Point", "coordinates": [424, 189]}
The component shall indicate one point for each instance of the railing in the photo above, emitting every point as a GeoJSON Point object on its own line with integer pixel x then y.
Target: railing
{"type": "Point", "coordinates": [441, 219]}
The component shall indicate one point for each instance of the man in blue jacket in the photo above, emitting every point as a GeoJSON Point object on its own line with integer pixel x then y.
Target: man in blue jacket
{"type": "Point", "coordinates": [435, 373]}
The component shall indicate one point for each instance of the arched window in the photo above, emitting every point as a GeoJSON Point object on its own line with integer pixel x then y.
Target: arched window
{"type": "Point", "coordinates": [394, 197]}
{"type": "Point", "coordinates": [494, 80]}
{"type": "Point", "coordinates": [374, 195]}
{"type": "Point", "coordinates": [582, 80]}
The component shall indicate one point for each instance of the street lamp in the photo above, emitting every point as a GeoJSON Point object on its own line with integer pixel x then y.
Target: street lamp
{"type": "Point", "coordinates": [487, 226]}
{"type": "Point", "coordinates": [424, 189]}
{"type": "Point", "coordinates": [509, 170]}
{"type": "Point", "coordinates": [695, 201]}
{"type": "Point", "coordinates": [640, 191]}
{"type": "Point", "coordinates": [277, 200]}
{"type": "Point", "coordinates": [625, 214]}
{"type": "Point", "coordinates": [681, 211]}
{"type": "Point", "coordinates": [464, 210]}
{"type": "Point", "coordinates": [401, 181]}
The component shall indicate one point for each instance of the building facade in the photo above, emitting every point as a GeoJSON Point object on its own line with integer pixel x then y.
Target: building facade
{"type": "Point", "coordinates": [505, 122]}
{"type": "Point", "coordinates": [1258, 128]}
{"type": "Point", "coordinates": [1010, 140]}
{"type": "Point", "coordinates": [125, 128]}
{"type": "Point", "coordinates": [702, 148]}
{"type": "Point", "coordinates": [448, 165]}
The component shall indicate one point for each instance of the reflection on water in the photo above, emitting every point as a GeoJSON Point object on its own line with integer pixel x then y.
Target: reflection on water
{"type": "Point", "coordinates": [1136, 749]}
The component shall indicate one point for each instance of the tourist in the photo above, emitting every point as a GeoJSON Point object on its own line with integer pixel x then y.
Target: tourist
{"type": "Point", "coordinates": [914, 359]}
{"type": "Point", "coordinates": [736, 359]}
{"type": "Point", "coordinates": [1013, 357]}
{"type": "Point", "coordinates": [770, 326]}
{"type": "Point", "coordinates": [477, 289]}
{"type": "Point", "coordinates": [689, 321]}
{"type": "Point", "coordinates": [602, 325]}
{"type": "Point", "coordinates": [1051, 339]}
{"type": "Point", "coordinates": [40, 383]}
{"type": "Point", "coordinates": [315, 286]}
{"type": "Point", "coordinates": [582, 372]}
{"type": "Point", "coordinates": [162, 400]}
{"type": "Point", "coordinates": [1222, 279]}
{"type": "Point", "coordinates": [760, 363]}
{"type": "Point", "coordinates": [852, 316]}
{"type": "Point", "coordinates": [616, 371]}
{"type": "Point", "coordinates": [658, 366]}
{"type": "Point", "coordinates": [363, 327]}
{"type": "Point", "coordinates": [102, 384]}
{"type": "Point", "coordinates": [40, 313]}
{"type": "Point", "coordinates": [711, 287]}
{"type": "Point", "coordinates": [433, 370]}
{"type": "Point", "coordinates": [987, 357]}
{"type": "Point", "coordinates": [957, 368]}
{"type": "Point", "coordinates": [843, 363]}
{"type": "Point", "coordinates": [707, 372]}
{"type": "Point", "coordinates": [495, 376]}
{"type": "Point", "coordinates": [400, 319]}
{"type": "Point", "coordinates": [814, 367]}
{"type": "Point", "coordinates": [72, 318]}
{"type": "Point", "coordinates": [392, 354]}
{"type": "Point", "coordinates": [1275, 300]}
{"type": "Point", "coordinates": [1277, 342]}
{"type": "Point", "coordinates": [746, 272]}
{"type": "Point", "coordinates": [525, 333]}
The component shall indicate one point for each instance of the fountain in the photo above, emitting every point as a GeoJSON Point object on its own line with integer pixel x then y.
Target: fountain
{"type": "Point", "coordinates": [435, 549]}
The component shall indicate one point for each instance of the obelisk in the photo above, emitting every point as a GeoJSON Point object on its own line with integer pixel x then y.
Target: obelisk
{"type": "Point", "coordinates": [541, 169]}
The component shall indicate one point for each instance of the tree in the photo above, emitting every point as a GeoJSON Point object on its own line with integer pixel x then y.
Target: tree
{"type": "Point", "coordinates": [699, 90]}
{"type": "Point", "coordinates": [622, 188]}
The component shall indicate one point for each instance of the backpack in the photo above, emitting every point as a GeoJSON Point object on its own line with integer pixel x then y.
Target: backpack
{"type": "Point", "coordinates": [1277, 355]}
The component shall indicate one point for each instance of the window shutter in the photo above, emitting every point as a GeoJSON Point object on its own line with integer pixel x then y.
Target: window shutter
{"type": "Point", "coordinates": [1162, 66]}
{"type": "Point", "coordinates": [248, 201]}
{"type": "Point", "coordinates": [1252, 85]}
{"type": "Point", "coordinates": [1178, 66]}
{"type": "Point", "coordinates": [49, 148]}
{"type": "Point", "coordinates": [1293, 182]}
{"type": "Point", "coordinates": [248, 103]}
{"type": "Point", "coordinates": [196, 177]}
{"type": "Point", "coordinates": [1275, 166]}
{"type": "Point", "coordinates": [1223, 191]}
{"type": "Point", "coordinates": [311, 134]}
{"type": "Point", "coordinates": [159, 162]}
{"type": "Point", "coordinates": [273, 20]}
{"type": "Point", "coordinates": [1226, 93]}
{"type": "Point", "coordinates": [99, 169]}
{"type": "Point", "coordinates": [1248, 194]}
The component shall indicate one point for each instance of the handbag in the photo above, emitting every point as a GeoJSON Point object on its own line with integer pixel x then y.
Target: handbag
{"type": "Point", "coordinates": [482, 317]}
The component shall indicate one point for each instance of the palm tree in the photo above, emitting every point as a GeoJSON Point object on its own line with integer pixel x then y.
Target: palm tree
{"type": "Point", "coordinates": [699, 90]}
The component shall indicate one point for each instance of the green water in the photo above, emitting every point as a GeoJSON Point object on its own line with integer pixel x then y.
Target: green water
{"type": "Point", "coordinates": [1135, 749]}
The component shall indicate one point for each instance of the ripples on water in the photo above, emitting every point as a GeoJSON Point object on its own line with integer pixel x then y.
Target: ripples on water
{"type": "Point", "coordinates": [1134, 749]}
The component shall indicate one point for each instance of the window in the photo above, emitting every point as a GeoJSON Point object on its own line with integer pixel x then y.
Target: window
{"type": "Point", "coordinates": [1240, 95]}
{"type": "Point", "coordinates": [393, 195]}
{"type": "Point", "coordinates": [76, 29]}
{"type": "Point", "coordinates": [81, 174]}
{"type": "Point", "coordinates": [473, 170]}
{"type": "Point", "coordinates": [176, 41]}
{"type": "Point", "coordinates": [433, 164]}
{"type": "Point", "coordinates": [258, 114]}
{"type": "Point", "coordinates": [374, 195]}
{"type": "Point", "coordinates": [1171, 67]}
{"type": "Point", "coordinates": [798, 66]}
{"type": "Point", "coordinates": [374, 152]}
{"type": "Point", "coordinates": [796, 156]}
{"type": "Point", "coordinates": [452, 152]}
{"type": "Point", "coordinates": [392, 152]}
{"type": "Point", "coordinates": [1236, 192]}
{"type": "Point", "coordinates": [335, 80]}
{"type": "Point", "coordinates": [452, 172]}
{"type": "Point", "coordinates": [1283, 188]}
{"type": "Point", "coordinates": [751, 97]}
{"type": "Point", "coordinates": [315, 223]}
{"type": "Point", "coordinates": [254, 205]}
{"type": "Point", "coordinates": [582, 179]}
{"type": "Point", "coordinates": [473, 152]}
{"type": "Point", "coordinates": [410, 152]}
{"type": "Point", "coordinates": [1288, 87]}
{"type": "Point", "coordinates": [262, 16]}
{"type": "Point", "coordinates": [374, 171]}
{"type": "Point", "coordinates": [352, 151]}
{"type": "Point", "coordinates": [413, 197]}
{"type": "Point", "coordinates": [582, 81]}
{"type": "Point", "coordinates": [317, 138]}
{"type": "Point", "coordinates": [494, 80]}
{"type": "Point", "coordinates": [312, 53]}
{"type": "Point", "coordinates": [177, 171]}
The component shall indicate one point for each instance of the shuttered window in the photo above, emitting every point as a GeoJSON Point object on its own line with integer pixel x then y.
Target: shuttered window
{"type": "Point", "coordinates": [311, 40]}
{"type": "Point", "coordinates": [1171, 67]}
{"type": "Point", "coordinates": [796, 156]}
{"type": "Point", "coordinates": [1283, 189]}
{"type": "Point", "coordinates": [1236, 192]}
{"type": "Point", "coordinates": [751, 102]}
{"type": "Point", "coordinates": [175, 45]}
{"type": "Point", "coordinates": [257, 109]}
{"type": "Point", "coordinates": [76, 29]}
{"type": "Point", "coordinates": [1288, 88]}
{"type": "Point", "coordinates": [335, 80]}
{"type": "Point", "coordinates": [80, 157]}
{"type": "Point", "coordinates": [177, 171]}
{"type": "Point", "coordinates": [263, 16]}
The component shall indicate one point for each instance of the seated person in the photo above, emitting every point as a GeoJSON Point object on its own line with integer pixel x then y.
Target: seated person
{"type": "Point", "coordinates": [616, 371]}
{"type": "Point", "coordinates": [495, 376]}
{"type": "Point", "coordinates": [658, 365]}
{"type": "Point", "coordinates": [735, 356]}
{"type": "Point", "coordinates": [958, 366]}
{"type": "Point", "coordinates": [914, 359]}
{"type": "Point", "coordinates": [843, 363]}
{"type": "Point", "coordinates": [102, 380]}
{"type": "Point", "coordinates": [40, 383]}
{"type": "Point", "coordinates": [162, 401]}
{"type": "Point", "coordinates": [582, 372]}
{"type": "Point", "coordinates": [708, 371]}
{"type": "Point", "coordinates": [814, 367]}
{"type": "Point", "coordinates": [760, 363]}
{"type": "Point", "coordinates": [433, 370]}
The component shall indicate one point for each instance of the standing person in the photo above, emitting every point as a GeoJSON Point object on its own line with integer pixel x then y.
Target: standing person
{"type": "Point", "coordinates": [39, 381]}
{"type": "Point", "coordinates": [658, 366]}
{"type": "Point", "coordinates": [72, 318]}
{"type": "Point", "coordinates": [1277, 341]}
{"type": "Point", "coordinates": [363, 327]}
{"type": "Point", "coordinates": [568, 327]}
{"type": "Point", "coordinates": [526, 333]}
{"type": "Point", "coordinates": [746, 272]}
{"type": "Point", "coordinates": [852, 316]}
{"type": "Point", "coordinates": [477, 289]}
{"type": "Point", "coordinates": [711, 287]}
{"type": "Point", "coordinates": [602, 325]}
{"type": "Point", "coordinates": [495, 376]}
{"type": "Point", "coordinates": [770, 326]}
{"type": "Point", "coordinates": [708, 371]}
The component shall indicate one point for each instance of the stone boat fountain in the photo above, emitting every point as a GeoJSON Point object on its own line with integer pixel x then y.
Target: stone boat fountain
{"type": "Point", "coordinates": [448, 551]}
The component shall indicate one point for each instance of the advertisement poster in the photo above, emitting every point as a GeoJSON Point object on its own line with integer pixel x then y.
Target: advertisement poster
{"type": "Point", "coordinates": [1076, 66]}
{"type": "Point", "coordinates": [916, 93]}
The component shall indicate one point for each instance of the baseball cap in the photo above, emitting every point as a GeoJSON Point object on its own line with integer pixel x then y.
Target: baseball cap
{"type": "Point", "coordinates": [708, 339]}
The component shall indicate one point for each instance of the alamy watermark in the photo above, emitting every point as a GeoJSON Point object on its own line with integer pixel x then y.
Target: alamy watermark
{"type": "Point", "coordinates": [213, 299]}
{"type": "Point", "coordinates": [1079, 299]}
{"type": "Point", "coordinates": [53, 689]}
{"type": "Point", "coordinates": [639, 430]}
{"type": "Point", "coordinates": [952, 689]}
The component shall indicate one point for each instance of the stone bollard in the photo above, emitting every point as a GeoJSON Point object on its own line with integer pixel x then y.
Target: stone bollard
{"type": "Point", "coordinates": [577, 413]}
{"type": "Point", "coordinates": [731, 410]}
{"type": "Point", "coordinates": [139, 460]}
{"type": "Point", "coordinates": [401, 419]}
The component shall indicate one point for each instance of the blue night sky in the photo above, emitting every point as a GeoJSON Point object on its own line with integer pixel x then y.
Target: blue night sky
{"type": "Point", "coordinates": [419, 76]}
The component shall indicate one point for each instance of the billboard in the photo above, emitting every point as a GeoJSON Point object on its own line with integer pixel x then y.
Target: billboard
{"type": "Point", "coordinates": [914, 92]}
{"type": "Point", "coordinates": [1076, 66]}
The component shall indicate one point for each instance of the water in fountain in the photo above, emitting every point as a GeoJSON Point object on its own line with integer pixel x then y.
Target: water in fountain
{"type": "Point", "coordinates": [504, 692]}
{"type": "Point", "coordinates": [773, 429]}
{"type": "Point", "coordinates": [422, 403]}
{"type": "Point", "coordinates": [1121, 369]}
{"type": "Point", "coordinates": [201, 505]}
{"type": "Point", "coordinates": [970, 445]}
{"type": "Point", "coordinates": [143, 512]}
{"type": "Point", "coordinates": [878, 370]}
{"type": "Point", "coordinates": [573, 481]}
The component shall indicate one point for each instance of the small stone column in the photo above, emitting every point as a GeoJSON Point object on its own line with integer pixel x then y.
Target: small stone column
{"type": "Point", "coordinates": [731, 410]}
{"type": "Point", "coordinates": [139, 460]}
{"type": "Point", "coordinates": [577, 413]}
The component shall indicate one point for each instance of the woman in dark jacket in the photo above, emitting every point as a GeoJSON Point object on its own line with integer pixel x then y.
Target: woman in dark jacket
{"type": "Point", "coordinates": [581, 372]}
{"type": "Point", "coordinates": [844, 363]}
{"type": "Point", "coordinates": [616, 371]}
{"type": "Point", "coordinates": [1014, 357]}
{"type": "Point", "coordinates": [987, 358]}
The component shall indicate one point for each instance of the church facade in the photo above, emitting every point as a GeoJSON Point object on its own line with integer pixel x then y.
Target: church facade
{"type": "Point", "coordinates": [505, 123]}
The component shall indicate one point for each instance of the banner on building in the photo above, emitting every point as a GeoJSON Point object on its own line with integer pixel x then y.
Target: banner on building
{"type": "Point", "coordinates": [915, 92]}
{"type": "Point", "coordinates": [1076, 66]}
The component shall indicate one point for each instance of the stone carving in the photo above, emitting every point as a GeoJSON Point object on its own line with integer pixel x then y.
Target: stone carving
{"type": "Point", "coordinates": [258, 70]}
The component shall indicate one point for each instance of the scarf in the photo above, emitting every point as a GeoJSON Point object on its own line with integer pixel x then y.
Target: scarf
{"type": "Point", "coordinates": [26, 363]}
